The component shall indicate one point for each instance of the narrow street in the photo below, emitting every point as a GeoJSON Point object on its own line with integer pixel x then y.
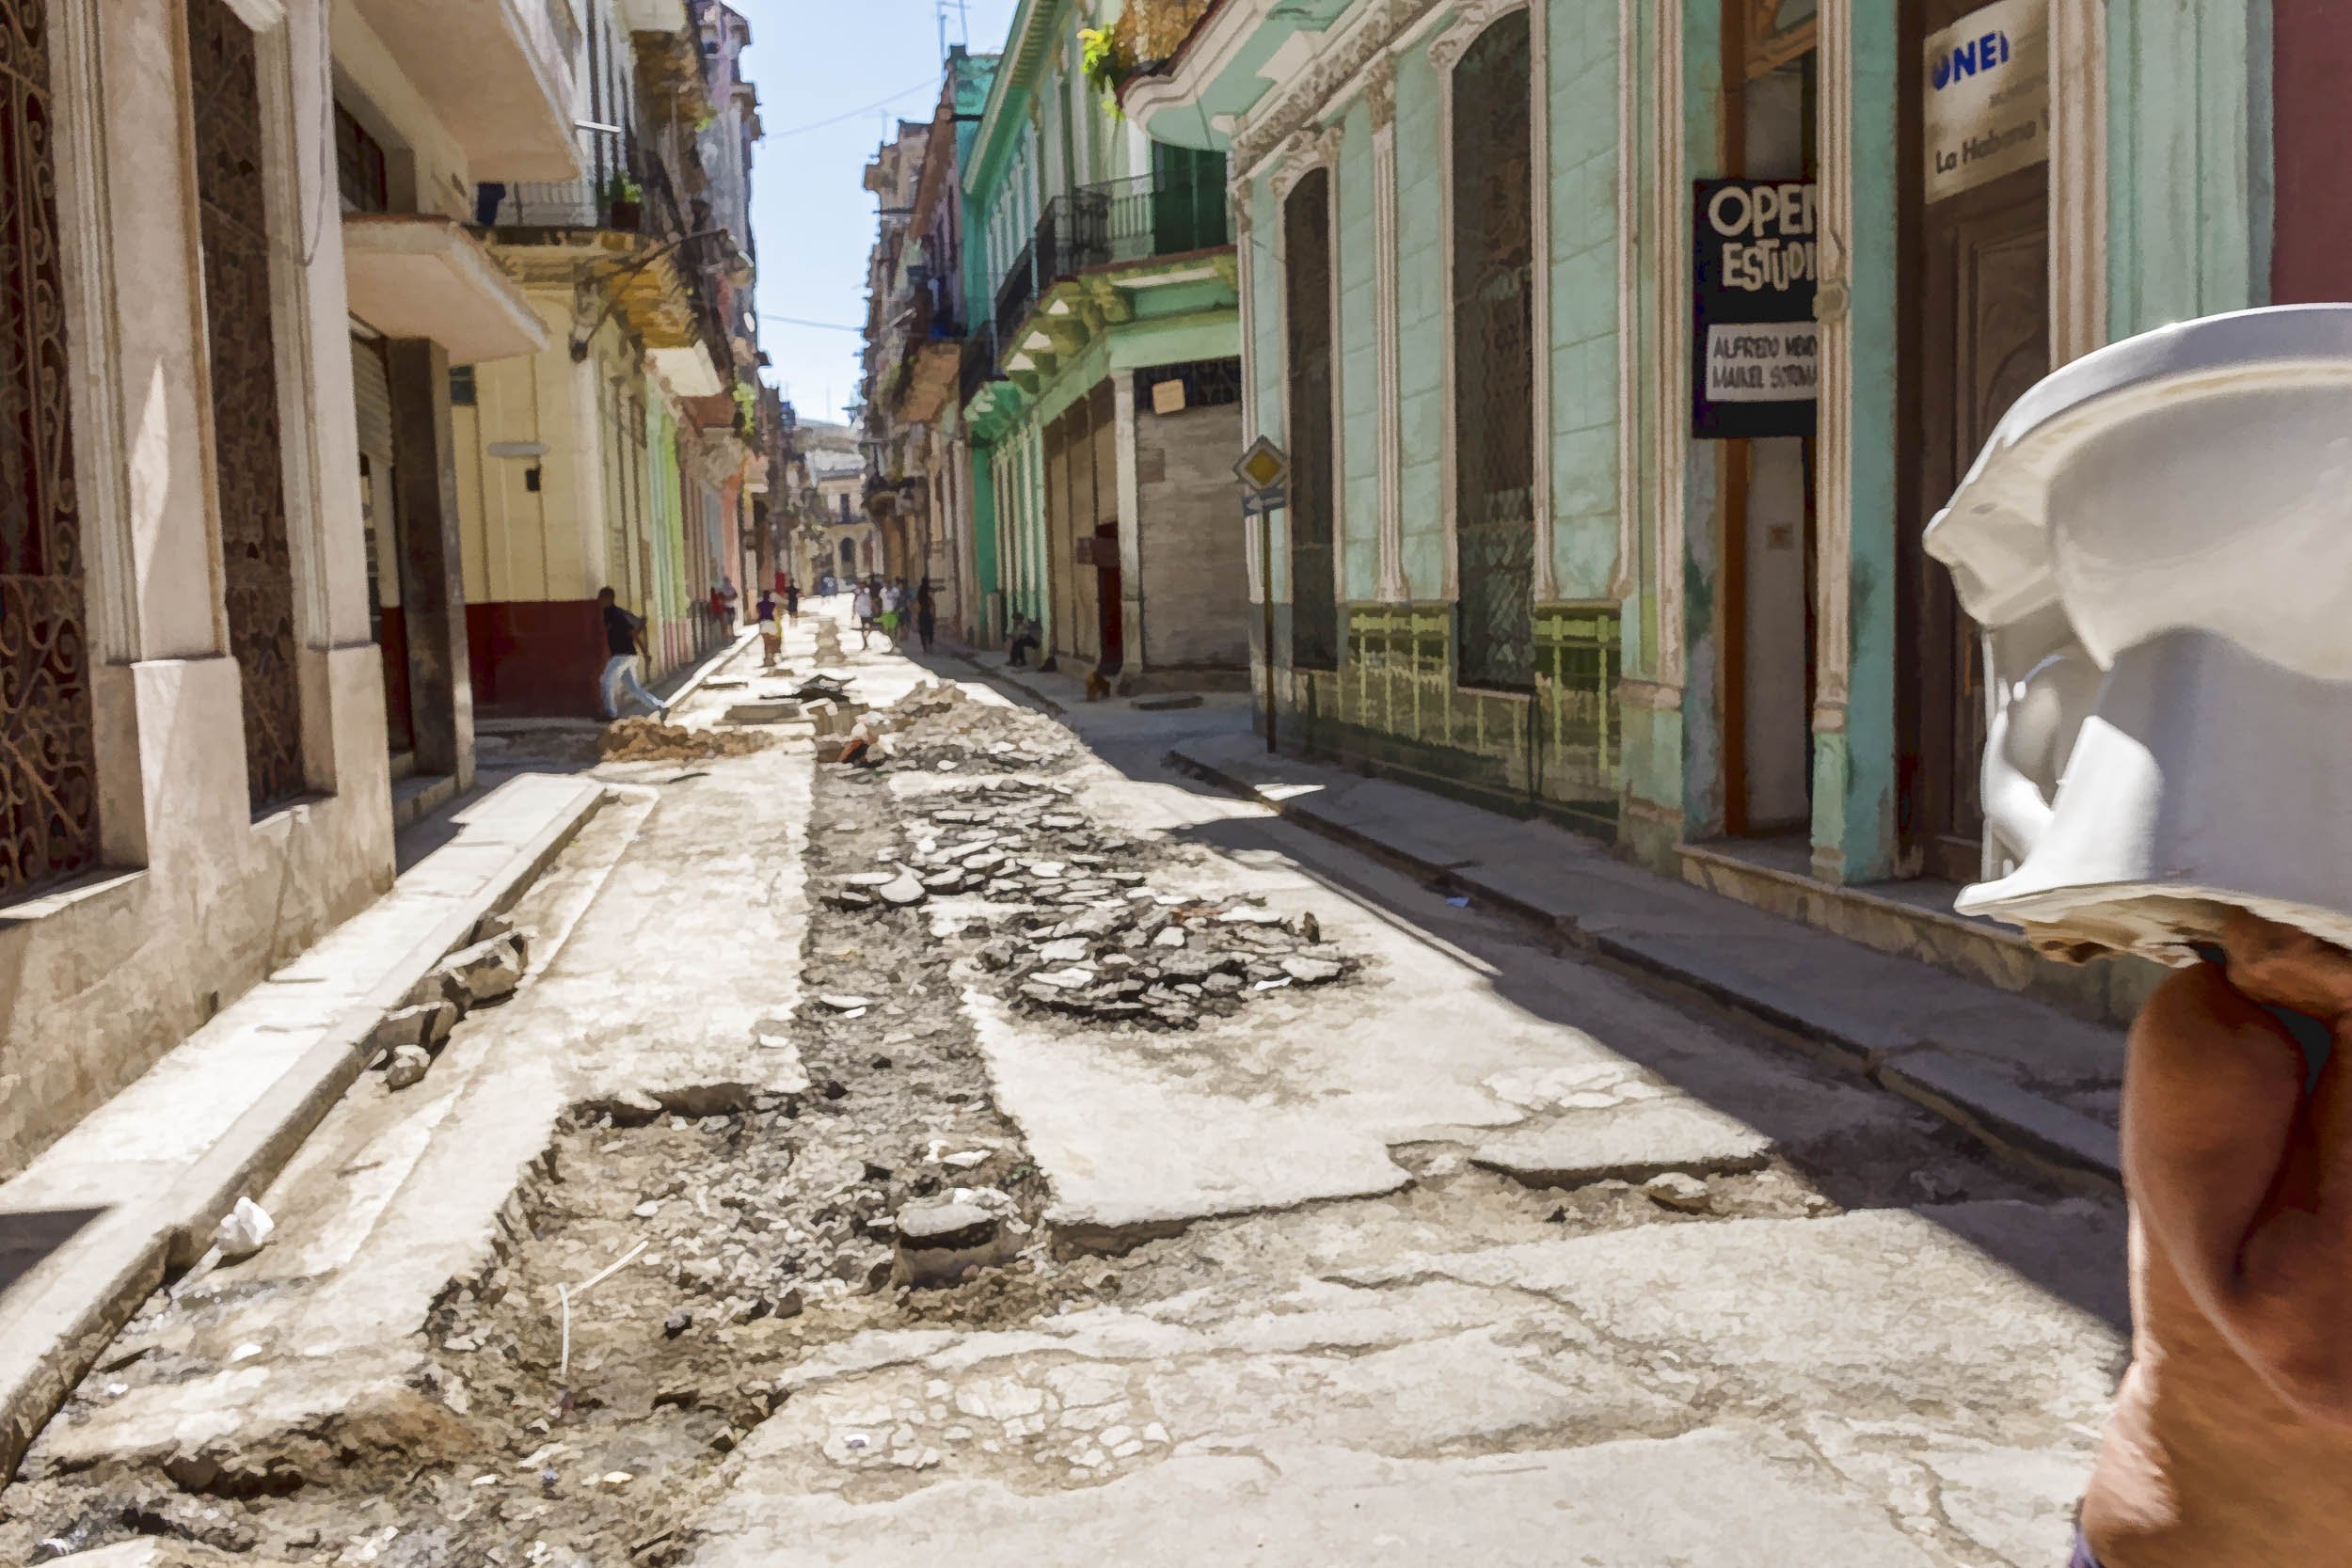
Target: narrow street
{"type": "Point", "coordinates": [1019, 1153]}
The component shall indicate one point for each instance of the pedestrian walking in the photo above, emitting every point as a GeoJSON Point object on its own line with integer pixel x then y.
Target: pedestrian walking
{"type": "Point", "coordinates": [770, 630]}
{"type": "Point", "coordinates": [863, 608]}
{"type": "Point", "coordinates": [889, 611]}
{"type": "Point", "coordinates": [624, 641]}
{"type": "Point", "coordinates": [925, 613]}
{"type": "Point", "coordinates": [792, 601]}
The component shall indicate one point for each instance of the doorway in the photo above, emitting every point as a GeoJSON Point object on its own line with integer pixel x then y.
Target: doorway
{"type": "Point", "coordinates": [1976, 336]}
{"type": "Point", "coordinates": [1107, 596]}
{"type": "Point", "coordinates": [379, 521]}
{"type": "Point", "coordinates": [1767, 540]}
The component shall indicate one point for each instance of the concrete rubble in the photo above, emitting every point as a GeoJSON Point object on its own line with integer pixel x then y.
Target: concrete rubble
{"type": "Point", "coordinates": [994, 1162]}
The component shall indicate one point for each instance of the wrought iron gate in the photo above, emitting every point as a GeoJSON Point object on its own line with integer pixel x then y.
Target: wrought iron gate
{"type": "Point", "coordinates": [48, 791]}
{"type": "Point", "coordinates": [1307, 313]}
{"type": "Point", "coordinates": [257, 566]}
{"type": "Point", "coordinates": [1494, 365]}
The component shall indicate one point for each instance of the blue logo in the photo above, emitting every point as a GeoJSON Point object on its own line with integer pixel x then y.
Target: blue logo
{"type": "Point", "coordinates": [1966, 59]}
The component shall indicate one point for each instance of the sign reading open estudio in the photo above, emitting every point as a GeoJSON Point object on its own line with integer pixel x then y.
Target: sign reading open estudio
{"type": "Point", "coordinates": [1756, 349]}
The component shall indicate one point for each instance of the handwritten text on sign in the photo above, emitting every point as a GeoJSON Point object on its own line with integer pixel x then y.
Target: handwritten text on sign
{"type": "Point", "coordinates": [1764, 362]}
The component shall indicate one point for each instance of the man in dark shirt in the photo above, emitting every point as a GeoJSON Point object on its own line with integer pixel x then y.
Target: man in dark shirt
{"type": "Point", "coordinates": [624, 640]}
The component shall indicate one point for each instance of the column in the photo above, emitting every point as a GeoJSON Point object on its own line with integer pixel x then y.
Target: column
{"type": "Point", "coordinates": [1130, 523]}
{"type": "Point", "coordinates": [1381, 96]}
{"type": "Point", "coordinates": [432, 585]}
{"type": "Point", "coordinates": [1856, 493]}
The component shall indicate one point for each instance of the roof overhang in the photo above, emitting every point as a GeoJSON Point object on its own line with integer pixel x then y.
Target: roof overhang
{"type": "Point", "coordinates": [1241, 51]}
{"type": "Point", "coordinates": [690, 371]}
{"type": "Point", "coordinates": [413, 274]}
{"type": "Point", "coordinates": [495, 74]}
{"type": "Point", "coordinates": [655, 16]}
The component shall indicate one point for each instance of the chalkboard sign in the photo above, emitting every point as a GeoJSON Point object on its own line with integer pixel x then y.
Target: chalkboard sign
{"type": "Point", "coordinates": [1754, 347]}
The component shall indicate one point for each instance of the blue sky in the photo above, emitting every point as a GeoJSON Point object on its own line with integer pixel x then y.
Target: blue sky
{"type": "Point", "coordinates": [813, 60]}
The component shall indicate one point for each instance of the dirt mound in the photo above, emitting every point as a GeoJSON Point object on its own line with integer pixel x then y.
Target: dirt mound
{"type": "Point", "coordinates": [650, 740]}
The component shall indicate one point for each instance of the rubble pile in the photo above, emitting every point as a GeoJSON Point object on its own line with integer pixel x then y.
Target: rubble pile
{"type": "Point", "coordinates": [1073, 926]}
{"type": "Point", "coordinates": [485, 968]}
{"type": "Point", "coordinates": [650, 740]}
{"type": "Point", "coordinates": [1158, 959]}
{"type": "Point", "coordinates": [938, 728]}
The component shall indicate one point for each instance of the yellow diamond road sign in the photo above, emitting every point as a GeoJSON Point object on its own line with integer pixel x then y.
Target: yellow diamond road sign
{"type": "Point", "coordinates": [1262, 466]}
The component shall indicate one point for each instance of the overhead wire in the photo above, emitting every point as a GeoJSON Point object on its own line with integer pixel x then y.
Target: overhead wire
{"type": "Point", "coordinates": [852, 113]}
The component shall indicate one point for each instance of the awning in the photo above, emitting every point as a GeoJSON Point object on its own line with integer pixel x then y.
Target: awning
{"type": "Point", "coordinates": [414, 275]}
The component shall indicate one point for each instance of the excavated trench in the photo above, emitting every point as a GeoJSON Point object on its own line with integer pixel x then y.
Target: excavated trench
{"type": "Point", "coordinates": [665, 1264]}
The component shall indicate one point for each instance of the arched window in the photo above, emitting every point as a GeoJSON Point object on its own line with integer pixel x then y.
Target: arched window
{"type": "Point", "coordinates": [1307, 319]}
{"type": "Point", "coordinates": [48, 787]}
{"type": "Point", "coordinates": [1494, 358]}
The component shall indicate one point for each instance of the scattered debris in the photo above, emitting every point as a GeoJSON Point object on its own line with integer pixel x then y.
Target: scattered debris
{"type": "Point", "coordinates": [1678, 1190]}
{"type": "Point", "coordinates": [488, 970]}
{"type": "Point", "coordinates": [407, 1067]}
{"type": "Point", "coordinates": [944, 1241]}
{"type": "Point", "coordinates": [243, 1231]}
{"type": "Point", "coordinates": [651, 740]}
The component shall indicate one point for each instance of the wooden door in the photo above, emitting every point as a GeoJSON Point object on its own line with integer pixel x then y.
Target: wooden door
{"type": "Point", "coordinates": [1980, 332]}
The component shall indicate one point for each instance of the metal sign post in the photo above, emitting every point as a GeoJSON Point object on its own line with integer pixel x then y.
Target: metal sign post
{"type": "Point", "coordinates": [1262, 471]}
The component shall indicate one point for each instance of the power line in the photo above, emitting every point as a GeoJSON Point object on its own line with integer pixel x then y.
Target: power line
{"type": "Point", "coordinates": [795, 321]}
{"type": "Point", "coordinates": [928, 82]}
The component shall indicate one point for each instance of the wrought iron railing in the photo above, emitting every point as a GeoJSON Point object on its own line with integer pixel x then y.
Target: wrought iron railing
{"type": "Point", "coordinates": [1121, 220]}
{"type": "Point", "coordinates": [632, 194]}
{"type": "Point", "coordinates": [1016, 293]}
{"type": "Point", "coordinates": [979, 364]}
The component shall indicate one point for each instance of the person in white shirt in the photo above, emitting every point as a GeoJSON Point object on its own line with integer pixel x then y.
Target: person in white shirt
{"type": "Point", "coordinates": [863, 608]}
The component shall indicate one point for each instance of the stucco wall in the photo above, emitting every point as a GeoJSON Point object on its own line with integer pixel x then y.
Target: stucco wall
{"type": "Point", "coordinates": [201, 900]}
{"type": "Point", "coordinates": [1195, 612]}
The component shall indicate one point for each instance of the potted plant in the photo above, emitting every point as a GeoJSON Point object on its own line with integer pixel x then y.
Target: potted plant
{"type": "Point", "coordinates": [624, 203]}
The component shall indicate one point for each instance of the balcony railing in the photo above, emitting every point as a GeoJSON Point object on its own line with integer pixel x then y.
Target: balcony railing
{"type": "Point", "coordinates": [1123, 220]}
{"type": "Point", "coordinates": [979, 364]}
{"type": "Point", "coordinates": [631, 196]}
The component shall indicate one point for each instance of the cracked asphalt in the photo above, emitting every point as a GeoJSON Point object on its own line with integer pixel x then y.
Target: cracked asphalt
{"type": "Point", "coordinates": [1485, 1252]}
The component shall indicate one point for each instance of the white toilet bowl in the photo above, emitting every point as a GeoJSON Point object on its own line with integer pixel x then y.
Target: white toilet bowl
{"type": "Point", "coordinates": [2157, 542]}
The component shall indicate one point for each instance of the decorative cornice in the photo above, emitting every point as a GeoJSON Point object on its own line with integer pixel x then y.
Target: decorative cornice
{"type": "Point", "coordinates": [1475, 18]}
{"type": "Point", "coordinates": [1302, 99]}
{"type": "Point", "coordinates": [1308, 149]}
{"type": "Point", "coordinates": [1380, 93]}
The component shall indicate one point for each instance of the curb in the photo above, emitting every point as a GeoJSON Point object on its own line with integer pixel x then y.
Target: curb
{"type": "Point", "coordinates": [2015, 1123]}
{"type": "Point", "coordinates": [104, 1273]}
{"type": "Point", "coordinates": [712, 663]}
{"type": "Point", "coordinates": [997, 677]}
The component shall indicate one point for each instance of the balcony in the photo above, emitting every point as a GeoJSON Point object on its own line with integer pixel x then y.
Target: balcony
{"type": "Point", "coordinates": [979, 365]}
{"type": "Point", "coordinates": [625, 223]}
{"type": "Point", "coordinates": [1107, 225]}
{"type": "Point", "coordinates": [500, 74]}
{"type": "Point", "coordinates": [932, 361]}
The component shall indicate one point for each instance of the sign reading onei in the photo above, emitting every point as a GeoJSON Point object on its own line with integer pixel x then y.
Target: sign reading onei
{"type": "Point", "coordinates": [1756, 347]}
{"type": "Point", "coordinates": [1986, 95]}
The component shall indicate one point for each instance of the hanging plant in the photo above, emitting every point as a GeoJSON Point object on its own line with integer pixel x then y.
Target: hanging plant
{"type": "Point", "coordinates": [1106, 64]}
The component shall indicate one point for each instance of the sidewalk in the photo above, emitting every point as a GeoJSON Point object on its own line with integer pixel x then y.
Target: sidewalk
{"type": "Point", "coordinates": [2031, 1081]}
{"type": "Point", "coordinates": [88, 1229]}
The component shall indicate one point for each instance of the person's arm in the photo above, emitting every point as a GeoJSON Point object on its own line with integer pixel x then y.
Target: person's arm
{"type": "Point", "coordinates": [2246, 1182]}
